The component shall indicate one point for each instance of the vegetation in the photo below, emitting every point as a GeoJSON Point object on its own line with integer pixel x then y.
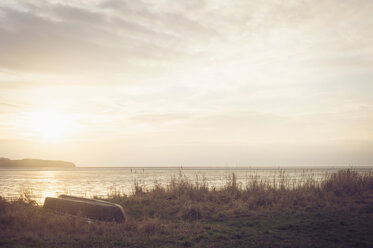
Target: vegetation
{"type": "Point", "coordinates": [34, 163]}
{"type": "Point", "coordinates": [337, 212]}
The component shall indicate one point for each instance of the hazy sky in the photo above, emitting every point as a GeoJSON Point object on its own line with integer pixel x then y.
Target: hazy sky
{"type": "Point", "coordinates": [187, 82]}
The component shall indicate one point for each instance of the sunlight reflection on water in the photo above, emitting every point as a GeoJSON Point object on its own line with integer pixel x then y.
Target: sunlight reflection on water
{"type": "Point", "coordinates": [89, 182]}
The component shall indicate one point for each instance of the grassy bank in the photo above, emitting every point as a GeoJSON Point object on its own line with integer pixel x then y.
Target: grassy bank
{"type": "Point", "coordinates": [335, 213]}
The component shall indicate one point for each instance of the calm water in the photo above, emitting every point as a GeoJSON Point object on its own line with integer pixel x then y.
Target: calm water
{"type": "Point", "coordinates": [90, 181]}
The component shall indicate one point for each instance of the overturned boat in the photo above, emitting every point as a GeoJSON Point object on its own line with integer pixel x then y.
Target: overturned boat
{"type": "Point", "coordinates": [89, 208]}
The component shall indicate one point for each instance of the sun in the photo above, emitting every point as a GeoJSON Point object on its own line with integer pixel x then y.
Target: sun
{"type": "Point", "coordinates": [50, 125]}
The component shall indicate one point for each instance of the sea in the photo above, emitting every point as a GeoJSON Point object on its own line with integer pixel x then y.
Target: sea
{"type": "Point", "coordinates": [37, 184]}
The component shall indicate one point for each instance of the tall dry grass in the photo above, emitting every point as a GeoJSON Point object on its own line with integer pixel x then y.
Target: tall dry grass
{"type": "Point", "coordinates": [184, 200]}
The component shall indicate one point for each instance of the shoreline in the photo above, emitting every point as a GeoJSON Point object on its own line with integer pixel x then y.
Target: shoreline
{"type": "Point", "coordinates": [337, 213]}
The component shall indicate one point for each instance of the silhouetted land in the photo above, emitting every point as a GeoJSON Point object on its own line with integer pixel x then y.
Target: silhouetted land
{"type": "Point", "coordinates": [34, 163]}
{"type": "Point", "coordinates": [335, 213]}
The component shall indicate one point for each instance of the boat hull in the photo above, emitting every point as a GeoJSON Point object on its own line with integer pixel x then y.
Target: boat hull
{"type": "Point", "coordinates": [89, 208]}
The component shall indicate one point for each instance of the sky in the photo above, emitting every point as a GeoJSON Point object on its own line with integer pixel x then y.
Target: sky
{"type": "Point", "coordinates": [192, 83]}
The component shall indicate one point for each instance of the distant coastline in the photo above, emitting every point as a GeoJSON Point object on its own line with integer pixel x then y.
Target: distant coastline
{"type": "Point", "coordinates": [34, 163]}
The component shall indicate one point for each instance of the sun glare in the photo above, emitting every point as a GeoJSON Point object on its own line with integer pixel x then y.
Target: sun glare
{"type": "Point", "coordinates": [50, 125]}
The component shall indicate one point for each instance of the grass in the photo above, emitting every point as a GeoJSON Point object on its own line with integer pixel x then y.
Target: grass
{"type": "Point", "coordinates": [336, 212]}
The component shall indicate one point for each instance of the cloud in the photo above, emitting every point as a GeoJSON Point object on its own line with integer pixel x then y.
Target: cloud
{"type": "Point", "coordinates": [210, 74]}
{"type": "Point", "coordinates": [142, 40]}
{"type": "Point", "coordinates": [40, 45]}
{"type": "Point", "coordinates": [160, 118]}
{"type": "Point", "coordinates": [61, 38]}
{"type": "Point", "coordinates": [3, 104]}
